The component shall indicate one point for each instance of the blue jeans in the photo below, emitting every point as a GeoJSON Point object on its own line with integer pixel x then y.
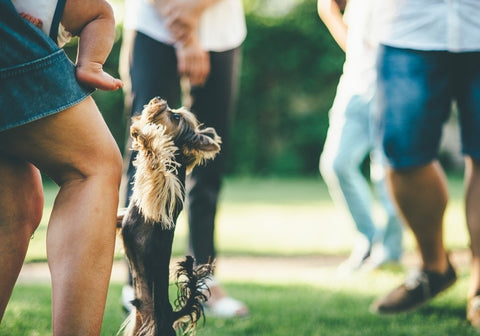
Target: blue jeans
{"type": "Point", "coordinates": [350, 139]}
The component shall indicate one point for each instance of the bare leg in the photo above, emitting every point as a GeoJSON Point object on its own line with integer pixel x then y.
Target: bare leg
{"type": "Point", "coordinates": [76, 149]}
{"type": "Point", "coordinates": [96, 40]}
{"type": "Point", "coordinates": [21, 206]}
{"type": "Point", "coordinates": [422, 197]}
{"type": "Point", "coordinates": [472, 186]}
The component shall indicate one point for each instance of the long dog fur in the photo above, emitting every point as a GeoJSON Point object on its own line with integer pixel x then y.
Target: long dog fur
{"type": "Point", "coordinates": [169, 144]}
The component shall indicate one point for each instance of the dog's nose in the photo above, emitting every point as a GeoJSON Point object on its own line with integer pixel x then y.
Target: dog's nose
{"type": "Point", "coordinates": [156, 100]}
{"type": "Point", "coordinates": [162, 103]}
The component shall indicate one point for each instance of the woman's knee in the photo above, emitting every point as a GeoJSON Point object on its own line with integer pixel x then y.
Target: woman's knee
{"type": "Point", "coordinates": [110, 166]}
{"type": "Point", "coordinates": [97, 156]}
{"type": "Point", "coordinates": [104, 158]}
{"type": "Point", "coordinates": [103, 164]}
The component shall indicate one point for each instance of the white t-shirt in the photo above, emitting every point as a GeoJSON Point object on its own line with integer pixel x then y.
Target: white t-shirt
{"type": "Point", "coordinates": [359, 73]}
{"type": "Point", "coordinates": [222, 26]}
{"type": "Point", "coordinates": [450, 25]}
{"type": "Point", "coordinates": [43, 10]}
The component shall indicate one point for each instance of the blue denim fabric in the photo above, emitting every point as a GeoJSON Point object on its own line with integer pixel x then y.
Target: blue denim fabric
{"type": "Point", "coordinates": [351, 137]}
{"type": "Point", "coordinates": [416, 91]}
{"type": "Point", "coordinates": [36, 78]}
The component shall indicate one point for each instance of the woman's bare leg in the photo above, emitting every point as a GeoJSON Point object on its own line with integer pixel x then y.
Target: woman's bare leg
{"type": "Point", "coordinates": [76, 149]}
{"type": "Point", "coordinates": [21, 207]}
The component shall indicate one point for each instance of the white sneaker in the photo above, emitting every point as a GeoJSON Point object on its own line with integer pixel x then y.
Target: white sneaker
{"type": "Point", "coordinates": [227, 307]}
{"type": "Point", "coordinates": [358, 257]}
{"type": "Point", "coordinates": [128, 295]}
{"type": "Point", "coordinates": [380, 259]}
{"type": "Point", "coordinates": [222, 306]}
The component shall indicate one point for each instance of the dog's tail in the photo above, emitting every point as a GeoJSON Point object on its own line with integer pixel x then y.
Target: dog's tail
{"type": "Point", "coordinates": [190, 295]}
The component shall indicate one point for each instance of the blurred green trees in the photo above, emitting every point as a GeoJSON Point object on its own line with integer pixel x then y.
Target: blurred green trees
{"type": "Point", "coordinates": [290, 69]}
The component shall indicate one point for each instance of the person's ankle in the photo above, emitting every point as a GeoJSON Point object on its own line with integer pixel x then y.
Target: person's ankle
{"type": "Point", "coordinates": [439, 265]}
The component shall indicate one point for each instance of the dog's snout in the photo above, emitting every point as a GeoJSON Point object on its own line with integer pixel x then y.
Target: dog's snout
{"type": "Point", "coordinates": [160, 102]}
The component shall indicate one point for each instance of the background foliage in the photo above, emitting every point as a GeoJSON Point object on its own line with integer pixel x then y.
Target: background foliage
{"type": "Point", "coordinates": [290, 70]}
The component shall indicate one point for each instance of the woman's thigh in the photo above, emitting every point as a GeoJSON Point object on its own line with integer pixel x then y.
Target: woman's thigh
{"type": "Point", "coordinates": [74, 143]}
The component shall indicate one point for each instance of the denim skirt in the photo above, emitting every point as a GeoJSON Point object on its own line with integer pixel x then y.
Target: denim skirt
{"type": "Point", "coordinates": [36, 77]}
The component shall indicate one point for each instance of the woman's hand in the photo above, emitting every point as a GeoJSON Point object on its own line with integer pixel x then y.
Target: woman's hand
{"type": "Point", "coordinates": [182, 17]}
{"type": "Point", "coordinates": [193, 62]}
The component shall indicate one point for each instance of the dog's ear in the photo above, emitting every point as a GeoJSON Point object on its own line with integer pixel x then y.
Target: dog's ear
{"type": "Point", "coordinates": [206, 141]}
{"type": "Point", "coordinates": [202, 146]}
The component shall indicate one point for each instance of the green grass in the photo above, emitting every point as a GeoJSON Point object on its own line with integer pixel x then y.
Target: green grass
{"type": "Point", "coordinates": [280, 218]}
{"type": "Point", "coordinates": [332, 307]}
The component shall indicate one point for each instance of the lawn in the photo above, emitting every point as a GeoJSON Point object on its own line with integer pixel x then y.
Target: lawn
{"type": "Point", "coordinates": [330, 308]}
{"type": "Point", "coordinates": [281, 218]}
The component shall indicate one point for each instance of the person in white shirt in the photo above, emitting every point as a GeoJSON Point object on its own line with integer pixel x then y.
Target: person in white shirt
{"type": "Point", "coordinates": [429, 57]}
{"type": "Point", "coordinates": [169, 43]}
{"type": "Point", "coordinates": [351, 137]}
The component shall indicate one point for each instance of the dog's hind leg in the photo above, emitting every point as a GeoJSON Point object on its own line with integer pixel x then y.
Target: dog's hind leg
{"type": "Point", "coordinates": [148, 249]}
{"type": "Point", "coordinates": [135, 233]}
{"type": "Point", "coordinates": [157, 263]}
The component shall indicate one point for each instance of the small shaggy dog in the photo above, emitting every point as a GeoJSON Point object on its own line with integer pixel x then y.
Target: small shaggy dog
{"type": "Point", "coordinates": [169, 144]}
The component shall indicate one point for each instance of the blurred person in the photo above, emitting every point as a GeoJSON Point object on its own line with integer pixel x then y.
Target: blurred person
{"type": "Point", "coordinates": [49, 123]}
{"type": "Point", "coordinates": [196, 42]}
{"type": "Point", "coordinates": [91, 20]}
{"type": "Point", "coordinates": [428, 58]}
{"type": "Point", "coordinates": [351, 137]}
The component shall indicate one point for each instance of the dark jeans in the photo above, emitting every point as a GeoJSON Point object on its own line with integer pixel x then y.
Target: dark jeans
{"type": "Point", "coordinates": [153, 72]}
